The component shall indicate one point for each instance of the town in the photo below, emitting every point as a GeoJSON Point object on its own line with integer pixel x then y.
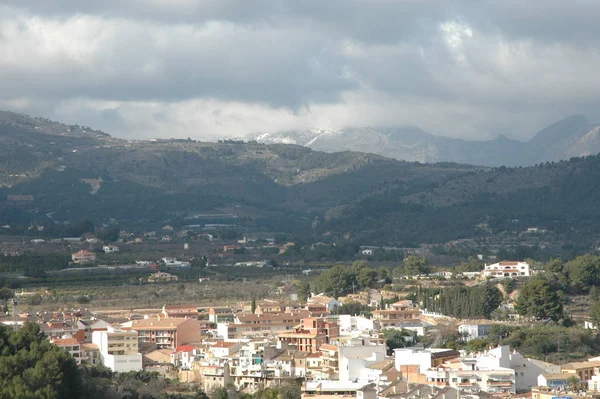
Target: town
{"type": "Point", "coordinates": [371, 343]}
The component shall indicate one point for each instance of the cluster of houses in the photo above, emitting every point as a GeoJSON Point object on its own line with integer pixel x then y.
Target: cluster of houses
{"type": "Point", "coordinates": [253, 346]}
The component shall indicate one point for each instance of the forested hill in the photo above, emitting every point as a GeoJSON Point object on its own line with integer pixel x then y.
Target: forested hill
{"type": "Point", "coordinates": [54, 173]}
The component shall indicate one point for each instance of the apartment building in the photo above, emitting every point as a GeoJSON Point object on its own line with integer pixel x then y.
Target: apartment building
{"type": "Point", "coordinates": [311, 334]}
{"type": "Point", "coordinates": [166, 333]}
{"type": "Point", "coordinates": [185, 311]}
{"type": "Point", "coordinates": [397, 315]}
{"type": "Point", "coordinates": [118, 349]}
{"type": "Point", "coordinates": [249, 325]}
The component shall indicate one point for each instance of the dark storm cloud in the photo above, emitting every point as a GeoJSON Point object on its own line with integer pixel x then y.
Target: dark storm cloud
{"type": "Point", "coordinates": [461, 68]}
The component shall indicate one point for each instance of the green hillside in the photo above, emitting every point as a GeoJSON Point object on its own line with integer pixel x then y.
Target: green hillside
{"type": "Point", "coordinates": [51, 174]}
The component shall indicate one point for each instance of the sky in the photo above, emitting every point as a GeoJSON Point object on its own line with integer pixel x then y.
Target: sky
{"type": "Point", "coordinates": [471, 69]}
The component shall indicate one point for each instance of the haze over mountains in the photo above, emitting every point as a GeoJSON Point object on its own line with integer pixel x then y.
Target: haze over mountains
{"type": "Point", "coordinates": [573, 136]}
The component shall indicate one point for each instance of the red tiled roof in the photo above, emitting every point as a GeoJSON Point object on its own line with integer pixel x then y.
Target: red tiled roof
{"type": "Point", "coordinates": [184, 348]}
{"type": "Point", "coordinates": [65, 341]}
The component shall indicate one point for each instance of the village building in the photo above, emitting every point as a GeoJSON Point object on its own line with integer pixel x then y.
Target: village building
{"type": "Point", "coordinates": [83, 257]}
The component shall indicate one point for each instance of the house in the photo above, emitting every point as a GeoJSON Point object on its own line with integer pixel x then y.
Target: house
{"type": "Point", "coordinates": [180, 311]}
{"type": "Point", "coordinates": [166, 333]}
{"type": "Point", "coordinates": [173, 262]}
{"type": "Point", "coordinates": [583, 370]}
{"type": "Point", "coordinates": [367, 252]}
{"type": "Point", "coordinates": [162, 277]}
{"type": "Point", "coordinates": [83, 257]}
{"type": "Point", "coordinates": [557, 381]}
{"type": "Point", "coordinates": [224, 349]}
{"type": "Point", "coordinates": [398, 315]}
{"type": "Point", "coordinates": [338, 390]}
{"type": "Point", "coordinates": [507, 269]}
{"type": "Point", "coordinates": [109, 249]}
{"type": "Point", "coordinates": [70, 345]}
{"type": "Point", "coordinates": [183, 356]}
{"type": "Point", "coordinates": [230, 248]}
{"type": "Point", "coordinates": [322, 303]}
{"type": "Point", "coordinates": [118, 349]}
{"type": "Point", "coordinates": [90, 353]}
{"type": "Point", "coordinates": [475, 330]}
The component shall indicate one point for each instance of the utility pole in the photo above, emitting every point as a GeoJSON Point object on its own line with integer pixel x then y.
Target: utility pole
{"type": "Point", "coordinates": [14, 302]}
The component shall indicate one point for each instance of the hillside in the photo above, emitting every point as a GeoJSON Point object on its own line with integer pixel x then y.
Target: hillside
{"type": "Point", "coordinates": [571, 137]}
{"type": "Point", "coordinates": [53, 178]}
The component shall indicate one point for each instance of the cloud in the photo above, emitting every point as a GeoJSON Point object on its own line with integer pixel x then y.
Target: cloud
{"type": "Point", "coordinates": [192, 68]}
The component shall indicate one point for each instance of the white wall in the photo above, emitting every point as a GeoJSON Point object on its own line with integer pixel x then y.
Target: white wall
{"type": "Point", "coordinates": [122, 363]}
{"type": "Point", "coordinates": [354, 360]}
{"type": "Point", "coordinates": [407, 356]}
{"type": "Point", "coordinates": [527, 371]}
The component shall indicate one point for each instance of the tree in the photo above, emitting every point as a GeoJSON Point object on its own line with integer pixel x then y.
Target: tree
{"type": "Point", "coordinates": [303, 290]}
{"type": "Point", "coordinates": [595, 314]}
{"type": "Point", "coordinates": [539, 299]}
{"type": "Point", "coordinates": [583, 272]}
{"type": "Point", "coordinates": [414, 265]}
{"type": "Point", "coordinates": [253, 305]}
{"type": "Point", "coordinates": [397, 339]}
{"type": "Point", "coordinates": [554, 266]}
{"type": "Point", "coordinates": [573, 383]}
{"type": "Point", "coordinates": [219, 393]}
{"type": "Point", "coordinates": [30, 366]}
{"type": "Point", "coordinates": [366, 278]}
{"type": "Point", "coordinates": [199, 262]}
{"type": "Point", "coordinates": [594, 294]}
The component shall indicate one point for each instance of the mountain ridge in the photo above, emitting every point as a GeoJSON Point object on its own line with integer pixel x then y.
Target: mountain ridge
{"type": "Point", "coordinates": [45, 179]}
{"type": "Point", "coordinates": [560, 140]}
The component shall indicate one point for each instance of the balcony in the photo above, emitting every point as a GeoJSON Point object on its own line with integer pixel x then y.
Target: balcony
{"type": "Point", "coordinates": [506, 383]}
{"type": "Point", "coordinates": [464, 384]}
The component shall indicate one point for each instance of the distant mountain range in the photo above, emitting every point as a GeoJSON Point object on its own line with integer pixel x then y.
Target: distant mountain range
{"type": "Point", "coordinates": [61, 176]}
{"type": "Point", "coordinates": [573, 136]}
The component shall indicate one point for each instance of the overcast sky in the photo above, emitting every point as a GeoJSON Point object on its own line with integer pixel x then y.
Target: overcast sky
{"type": "Point", "coordinates": [469, 69]}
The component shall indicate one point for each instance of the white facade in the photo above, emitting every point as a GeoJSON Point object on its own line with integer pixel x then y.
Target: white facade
{"type": "Point", "coordinates": [349, 323]}
{"type": "Point", "coordinates": [474, 331]}
{"type": "Point", "coordinates": [118, 349]}
{"type": "Point", "coordinates": [507, 269]}
{"type": "Point", "coordinates": [413, 356]}
{"type": "Point", "coordinates": [354, 360]}
{"type": "Point", "coordinates": [109, 249]}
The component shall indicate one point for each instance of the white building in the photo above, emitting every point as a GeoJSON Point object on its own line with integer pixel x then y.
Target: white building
{"type": "Point", "coordinates": [325, 389]}
{"type": "Point", "coordinates": [507, 269]}
{"type": "Point", "coordinates": [118, 349]}
{"type": "Point", "coordinates": [474, 330]}
{"type": "Point", "coordinates": [109, 249]}
{"type": "Point", "coordinates": [356, 355]}
{"type": "Point", "coordinates": [494, 371]}
{"type": "Point", "coordinates": [349, 324]}
{"type": "Point", "coordinates": [367, 252]}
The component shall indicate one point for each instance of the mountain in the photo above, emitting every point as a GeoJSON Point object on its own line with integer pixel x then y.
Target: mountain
{"type": "Point", "coordinates": [60, 177]}
{"type": "Point", "coordinates": [571, 137]}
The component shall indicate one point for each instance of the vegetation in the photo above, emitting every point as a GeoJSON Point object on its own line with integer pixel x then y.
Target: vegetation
{"type": "Point", "coordinates": [290, 190]}
{"type": "Point", "coordinates": [341, 280]}
{"type": "Point", "coordinates": [462, 302]}
{"type": "Point", "coordinates": [539, 299]}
